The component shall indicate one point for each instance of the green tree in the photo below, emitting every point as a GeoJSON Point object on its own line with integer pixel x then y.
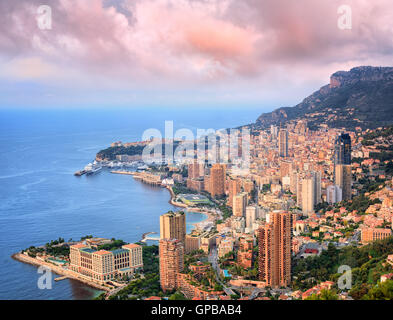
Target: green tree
{"type": "Point", "coordinates": [324, 295]}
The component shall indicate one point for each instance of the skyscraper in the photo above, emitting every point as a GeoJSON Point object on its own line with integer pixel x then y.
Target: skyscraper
{"type": "Point", "coordinates": [173, 226]}
{"type": "Point", "coordinates": [342, 149]}
{"type": "Point", "coordinates": [195, 170]}
{"type": "Point", "coordinates": [217, 180]}
{"type": "Point", "coordinates": [308, 195]}
{"type": "Point", "coordinates": [240, 204]}
{"type": "Point", "coordinates": [274, 250]}
{"type": "Point", "coordinates": [283, 143]}
{"type": "Point", "coordinates": [171, 262]}
{"type": "Point", "coordinates": [273, 131]}
{"type": "Point", "coordinates": [252, 213]}
{"type": "Point", "coordinates": [317, 186]}
{"type": "Point", "coordinates": [342, 165]}
{"type": "Point", "coordinates": [234, 186]}
{"type": "Point", "coordinates": [343, 179]}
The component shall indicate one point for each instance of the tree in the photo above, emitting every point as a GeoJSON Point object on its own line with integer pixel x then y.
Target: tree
{"type": "Point", "coordinates": [382, 291]}
{"type": "Point", "coordinates": [324, 295]}
{"type": "Point", "coordinates": [177, 296]}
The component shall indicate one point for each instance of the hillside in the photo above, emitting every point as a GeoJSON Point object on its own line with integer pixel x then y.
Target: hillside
{"type": "Point", "coordinates": [361, 97]}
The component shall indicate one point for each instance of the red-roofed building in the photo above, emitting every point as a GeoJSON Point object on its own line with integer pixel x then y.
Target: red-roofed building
{"type": "Point", "coordinates": [154, 298]}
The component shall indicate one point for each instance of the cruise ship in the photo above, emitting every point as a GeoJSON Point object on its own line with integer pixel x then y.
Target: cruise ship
{"type": "Point", "coordinates": [92, 168]}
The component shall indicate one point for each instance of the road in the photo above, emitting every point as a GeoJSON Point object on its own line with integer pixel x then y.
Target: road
{"type": "Point", "coordinates": [213, 259]}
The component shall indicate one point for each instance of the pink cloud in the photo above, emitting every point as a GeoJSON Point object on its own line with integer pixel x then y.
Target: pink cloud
{"type": "Point", "coordinates": [192, 41]}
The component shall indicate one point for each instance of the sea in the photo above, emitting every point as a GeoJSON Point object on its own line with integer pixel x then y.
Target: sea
{"type": "Point", "coordinates": [41, 200]}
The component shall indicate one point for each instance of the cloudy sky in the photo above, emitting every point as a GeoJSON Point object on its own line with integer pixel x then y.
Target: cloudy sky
{"type": "Point", "coordinates": [262, 53]}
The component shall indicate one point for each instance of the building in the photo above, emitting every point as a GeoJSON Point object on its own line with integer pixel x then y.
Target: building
{"type": "Point", "coordinates": [317, 187]}
{"type": "Point", "coordinates": [234, 187]}
{"type": "Point", "coordinates": [240, 204]}
{"type": "Point", "coordinates": [342, 165]}
{"type": "Point", "coordinates": [225, 247]}
{"type": "Point", "coordinates": [196, 170]}
{"type": "Point", "coordinates": [173, 226]}
{"type": "Point", "coordinates": [171, 263]}
{"type": "Point", "coordinates": [275, 250]}
{"type": "Point", "coordinates": [195, 184]}
{"type": "Point", "coordinates": [217, 180]}
{"type": "Point", "coordinates": [374, 234]}
{"type": "Point", "coordinates": [252, 214]}
{"type": "Point", "coordinates": [342, 149]}
{"type": "Point", "coordinates": [343, 179]}
{"type": "Point", "coordinates": [193, 243]}
{"type": "Point", "coordinates": [245, 252]}
{"type": "Point", "coordinates": [188, 286]}
{"type": "Point", "coordinates": [308, 195]}
{"type": "Point", "coordinates": [283, 143]}
{"type": "Point", "coordinates": [274, 131]}
{"type": "Point", "coordinates": [333, 194]}
{"type": "Point", "coordinates": [103, 265]}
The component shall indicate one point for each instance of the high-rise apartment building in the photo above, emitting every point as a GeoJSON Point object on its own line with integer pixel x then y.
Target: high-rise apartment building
{"type": "Point", "coordinates": [317, 186]}
{"type": "Point", "coordinates": [343, 179]}
{"type": "Point", "coordinates": [342, 149]}
{"type": "Point", "coordinates": [273, 131]}
{"type": "Point", "coordinates": [217, 180]}
{"type": "Point", "coordinates": [234, 186]}
{"type": "Point", "coordinates": [173, 226]}
{"type": "Point", "coordinates": [275, 249]}
{"type": "Point", "coordinates": [251, 215]}
{"type": "Point", "coordinates": [283, 143]}
{"type": "Point", "coordinates": [240, 204]}
{"type": "Point", "coordinates": [333, 194]}
{"type": "Point", "coordinates": [171, 262]}
{"type": "Point", "coordinates": [342, 165]}
{"type": "Point", "coordinates": [196, 170]}
{"type": "Point", "coordinates": [308, 195]}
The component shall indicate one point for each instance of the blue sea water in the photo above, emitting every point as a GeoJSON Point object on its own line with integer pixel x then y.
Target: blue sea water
{"type": "Point", "coordinates": [41, 200]}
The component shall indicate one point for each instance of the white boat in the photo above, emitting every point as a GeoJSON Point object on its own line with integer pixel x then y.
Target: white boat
{"type": "Point", "coordinates": [92, 168]}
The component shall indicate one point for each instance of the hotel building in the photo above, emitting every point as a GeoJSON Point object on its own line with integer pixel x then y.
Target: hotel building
{"type": "Point", "coordinates": [103, 265]}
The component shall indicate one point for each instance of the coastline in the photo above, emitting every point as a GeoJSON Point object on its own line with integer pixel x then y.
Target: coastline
{"type": "Point", "coordinates": [66, 273]}
{"type": "Point", "coordinates": [58, 270]}
{"type": "Point", "coordinates": [209, 215]}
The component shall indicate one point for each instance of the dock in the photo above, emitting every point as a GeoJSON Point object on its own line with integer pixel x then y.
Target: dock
{"type": "Point", "coordinates": [131, 173]}
{"type": "Point", "coordinates": [60, 278]}
{"type": "Point", "coordinates": [146, 236]}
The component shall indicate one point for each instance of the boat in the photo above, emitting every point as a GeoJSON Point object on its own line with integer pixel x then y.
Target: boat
{"type": "Point", "coordinates": [92, 168]}
{"type": "Point", "coordinates": [80, 173]}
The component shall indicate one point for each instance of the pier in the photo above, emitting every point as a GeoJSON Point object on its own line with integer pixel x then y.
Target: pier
{"type": "Point", "coordinates": [61, 278]}
{"type": "Point", "coordinates": [146, 236]}
{"type": "Point", "coordinates": [131, 173]}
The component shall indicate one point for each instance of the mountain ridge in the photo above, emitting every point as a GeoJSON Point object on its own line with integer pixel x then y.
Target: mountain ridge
{"type": "Point", "coordinates": [361, 97]}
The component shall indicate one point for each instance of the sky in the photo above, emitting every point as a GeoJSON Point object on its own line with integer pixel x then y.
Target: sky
{"type": "Point", "coordinates": [184, 53]}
